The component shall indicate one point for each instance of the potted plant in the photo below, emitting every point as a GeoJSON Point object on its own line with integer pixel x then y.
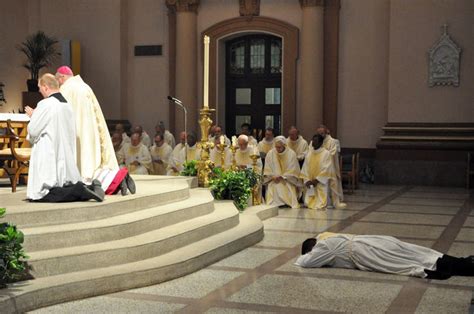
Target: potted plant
{"type": "Point", "coordinates": [40, 51]}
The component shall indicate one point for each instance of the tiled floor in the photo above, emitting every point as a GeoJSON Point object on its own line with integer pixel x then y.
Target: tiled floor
{"type": "Point", "coordinates": [263, 278]}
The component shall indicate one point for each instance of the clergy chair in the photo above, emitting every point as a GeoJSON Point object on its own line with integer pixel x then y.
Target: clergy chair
{"type": "Point", "coordinates": [16, 158]}
{"type": "Point", "coordinates": [347, 164]}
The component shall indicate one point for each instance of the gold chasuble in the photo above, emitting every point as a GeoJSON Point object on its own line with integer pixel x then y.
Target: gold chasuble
{"type": "Point", "coordinates": [161, 157]}
{"type": "Point", "coordinates": [138, 159]}
{"type": "Point", "coordinates": [264, 146]}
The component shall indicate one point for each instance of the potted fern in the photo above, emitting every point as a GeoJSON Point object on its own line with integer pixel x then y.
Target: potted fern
{"type": "Point", "coordinates": [40, 51]}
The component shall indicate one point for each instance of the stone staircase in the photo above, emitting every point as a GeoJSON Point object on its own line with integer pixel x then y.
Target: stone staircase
{"type": "Point", "coordinates": [166, 230]}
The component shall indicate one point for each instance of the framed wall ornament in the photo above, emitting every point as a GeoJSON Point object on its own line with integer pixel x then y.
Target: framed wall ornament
{"type": "Point", "coordinates": [444, 60]}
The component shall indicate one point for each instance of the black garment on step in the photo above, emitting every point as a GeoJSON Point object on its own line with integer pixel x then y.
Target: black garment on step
{"type": "Point", "coordinates": [448, 266]}
{"type": "Point", "coordinates": [77, 192]}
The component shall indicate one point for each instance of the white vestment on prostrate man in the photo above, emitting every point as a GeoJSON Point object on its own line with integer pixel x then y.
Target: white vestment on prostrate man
{"type": "Point", "coordinates": [52, 162]}
{"type": "Point", "coordinates": [285, 164]}
{"type": "Point", "coordinates": [371, 253]}
{"type": "Point", "coordinates": [94, 146]}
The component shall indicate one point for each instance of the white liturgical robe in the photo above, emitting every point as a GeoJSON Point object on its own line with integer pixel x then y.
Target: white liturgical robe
{"type": "Point", "coordinates": [242, 158]}
{"type": "Point", "coordinates": [180, 155]}
{"type": "Point", "coordinates": [300, 147]}
{"type": "Point", "coordinates": [140, 154]}
{"type": "Point", "coordinates": [371, 253]}
{"type": "Point", "coordinates": [94, 146]}
{"type": "Point", "coordinates": [161, 158]}
{"type": "Point", "coordinates": [52, 133]}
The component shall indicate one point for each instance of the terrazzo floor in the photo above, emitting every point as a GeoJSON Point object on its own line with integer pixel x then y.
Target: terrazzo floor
{"type": "Point", "coordinates": [263, 278]}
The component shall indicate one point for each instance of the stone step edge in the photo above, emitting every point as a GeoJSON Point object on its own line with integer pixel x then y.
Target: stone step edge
{"type": "Point", "coordinates": [30, 295]}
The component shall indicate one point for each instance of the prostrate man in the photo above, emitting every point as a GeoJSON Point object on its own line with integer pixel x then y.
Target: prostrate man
{"type": "Point", "coordinates": [242, 155]}
{"type": "Point", "coordinates": [119, 147]}
{"type": "Point", "coordinates": [282, 173]}
{"type": "Point", "coordinates": [216, 157]}
{"type": "Point", "coordinates": [381, 254]}
{"type": "Point", "coordinates": [144, 137]}
{"type": "Point", "coordinates": [267, 142]}
{"type": "Point", "coordinates": [160, 154]}
{"type": "Point", "coordinates": [168, 137]}
{"type": "Point", "coordinates": [121, 129]}
{"type": "Point", "coordinates": [137, 156]}
{"type": "Point", "coordinates": [190, 152]}
{"type": "Point", "coordinates": [53, 175]}
{"type": "Point", "coordinates": [333, 146]}
{"type": "Point", "coordinates": [317, 174]}
{"type": "Point", "coordinates": [94, 146]}
{"type": "Point", "coordinates": [297, 143]}
{"type": "Point", "coordinates": [246, 129]}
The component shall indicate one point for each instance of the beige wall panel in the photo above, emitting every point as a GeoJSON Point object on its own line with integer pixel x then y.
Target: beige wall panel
{"type": "Point", "coordinates": [363, 70]}
{"type": "Point", "coordinates": [415, 26]}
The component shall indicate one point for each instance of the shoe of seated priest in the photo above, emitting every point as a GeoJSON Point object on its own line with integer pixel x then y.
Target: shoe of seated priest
{"type": "Point", "coordinates": [99, 197]}
{"type": "Point", "coordinates": [123, 187]}
{"type": "Point", "coordinates": [130, 184]}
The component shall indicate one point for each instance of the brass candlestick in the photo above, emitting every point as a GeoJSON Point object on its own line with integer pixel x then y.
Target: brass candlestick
{"type": "Point", "coordinates": [233, 149]}
{"type": "Point", "coordinates": [205, 165]}
{"type": "Point", "coordinates": [221, 147]}
{"type": "Point", "coordinates": [256, 197]}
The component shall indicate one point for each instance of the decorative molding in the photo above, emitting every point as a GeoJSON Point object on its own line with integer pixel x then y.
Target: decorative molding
{"type": "Point", "coordinates": [249, 7]}
{"type": "Point", "coordinates": [182, 5]}
{"type": "Point", "coordinates": [444, 59]}
{"type": "Point", "coordinates": [312, 3]}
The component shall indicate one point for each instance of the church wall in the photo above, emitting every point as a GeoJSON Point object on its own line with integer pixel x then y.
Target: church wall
{"type": "Point", "coordinates": [363, 70]}
{"type": "Point", "coordinates": [414, 29]}
{"type": "Point", "coordinates": [12, 74]}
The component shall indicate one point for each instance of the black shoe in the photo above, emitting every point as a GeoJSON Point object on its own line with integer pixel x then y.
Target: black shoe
{"type": "Point", "coordinates": [123, 187]}
{"type": "Point", "coordinates": [90, 194]}
{"type": "Point", "coordinates": [130, 183]}
{"type": "Point", "coordinates": [96, 186]}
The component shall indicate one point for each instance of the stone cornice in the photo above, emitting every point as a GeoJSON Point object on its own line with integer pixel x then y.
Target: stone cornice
{"type": "Point", "coordinates": [312, 3]}
{"type": "Point", "coordinates": [182, 5]}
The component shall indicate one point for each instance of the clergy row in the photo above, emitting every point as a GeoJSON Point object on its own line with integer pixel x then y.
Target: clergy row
{"type": "Point", "coordinates": [318, 179]}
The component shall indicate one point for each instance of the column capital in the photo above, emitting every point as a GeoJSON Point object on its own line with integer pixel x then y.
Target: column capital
{"type": "Point", "coordinates": [182, 5]}
{"type": "Point", "coordinates": [312, 3]}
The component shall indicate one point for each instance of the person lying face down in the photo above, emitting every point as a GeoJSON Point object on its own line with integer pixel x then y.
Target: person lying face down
{"type": "Point", "coordinates": [384, 254]}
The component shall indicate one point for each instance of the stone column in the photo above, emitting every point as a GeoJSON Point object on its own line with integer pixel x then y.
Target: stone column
{"type": "Point", "coordinates": [311, 67]}
{"type": "Point", "coordinates": [186, 61]}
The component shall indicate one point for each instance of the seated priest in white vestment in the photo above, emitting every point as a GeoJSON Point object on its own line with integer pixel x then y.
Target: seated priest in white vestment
{"type": "Point", "coordinates": [333, 146]}
{"type": "Point", "coordinates": [281, 174]}
{"type": "Point", "coordinates": [119, 147]}
{"type": "Point", "coordinates": [297, 143]}
{"type": "Point", "coordinates": [217, 133]}
{"type": "Point", "coordinates": [215, 154]}
{"type": "Point", "coordinates": [53, 175]}
{"type": "Point", "coordinates": [188, 153]}
{"type": "Point", "coordinates": [172, 169]}
{"type": "Point", "coordinates": [137, 156]}
{"type": "Point", "coordinates": [246, 129]}
{"type": "Point", "coordinates": [160, 154]}
{"type": "Point", "coordinates": [383, 254]}
{"type": "Point", "coordinates": [168, 137]}
{"type": "Point", "coordinates": [267, 142]}
{"type": "Point", "coordinates": [144, 137]}
{"type": "Point", "coordinates": [243, 153]}
{"type": "Point", "coordinates": [318, 175]}
{"type": "Point", "coordinates": [121, 129]}
{"type": "Point", "coordinates": [94, 146]}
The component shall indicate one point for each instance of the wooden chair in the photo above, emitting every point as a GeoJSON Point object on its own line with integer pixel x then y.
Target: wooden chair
{"type": "Point", "coordinates": [347, 164]}
{"type": "Point", "coordinates": [16, 159]}
{"type": "Point", "coordinates": [469, 169]}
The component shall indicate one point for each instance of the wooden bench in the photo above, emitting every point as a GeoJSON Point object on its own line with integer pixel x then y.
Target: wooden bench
{"type": "Point", "coordinates": [14, 151]}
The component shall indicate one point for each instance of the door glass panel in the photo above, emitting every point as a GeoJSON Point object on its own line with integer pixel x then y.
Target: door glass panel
{"type": "Point", "coordinates": [237, 57]}
{"type": "Point", "coordinates": [243, 96]}
{"type": "Point", "coordinates": [275, 56]}
{"type": "Point", "coordinates": [240, 119]}
{"type": "Point", "coordinates": [269, 122]}
{"type": "Point", "coordinates": [272, 96]}
{"type": "Point", "coordinates": [257, 55]}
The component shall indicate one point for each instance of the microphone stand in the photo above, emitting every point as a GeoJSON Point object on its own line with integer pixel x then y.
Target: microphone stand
{"type": "Point", "coordinates": [180, 104]}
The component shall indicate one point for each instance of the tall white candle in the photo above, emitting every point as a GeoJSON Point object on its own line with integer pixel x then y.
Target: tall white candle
{"type": "Point", "coordinates": [206, 72]}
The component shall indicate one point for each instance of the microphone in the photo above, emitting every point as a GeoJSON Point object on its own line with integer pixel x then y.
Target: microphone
{"type": "Point", "coordinates": [176, 100]}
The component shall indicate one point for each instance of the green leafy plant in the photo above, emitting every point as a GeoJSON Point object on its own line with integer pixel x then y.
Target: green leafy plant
{"type": "Point", "coordinates": [189, 168]}
{"type": "Point", "coordinates": [234, 185]}
{"type": "Point", "coordinates": [13, 266]}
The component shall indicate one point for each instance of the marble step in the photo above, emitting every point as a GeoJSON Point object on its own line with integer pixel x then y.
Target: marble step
{"type": "Point", "coordinates": [41, 292]}
{"type": "Point", "coordinates": [150, 193]}
{"type": "Point", "coordinates": [135, 248]}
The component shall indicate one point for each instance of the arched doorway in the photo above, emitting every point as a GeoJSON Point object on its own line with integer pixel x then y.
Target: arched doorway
{"type": "Point", "coordinates": [253, 71]}
{"type": "Point", "coordinates": [228, 30]}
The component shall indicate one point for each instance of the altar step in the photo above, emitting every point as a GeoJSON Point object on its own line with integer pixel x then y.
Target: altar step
{"type": "Point", "coordinates": [164, 231]}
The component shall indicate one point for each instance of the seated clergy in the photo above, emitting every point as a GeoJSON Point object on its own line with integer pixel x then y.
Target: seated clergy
{"type": "Point", "coordinates": [119, 147]}
{"type": "Point", "coordinates": [215, 154]}
{"type": "Point", "coordinates": [297, 143]}
{"type": "Point", "coordinates": [246, 129]}
{"type": "Point", "coordinates": [318, 175]}
{"type": "Point", "coordinates": [160, 155]}
{"type": "Point", "coordinates": [172, 169]}
{"type": "Point", "coordinates": [267, 142]}
{"type": "Point", "coordinates": [243, 153]}
{"type": "Point", "coordinates": [217, 133]}
{"type": "Point", "coordinates": [281, 173]}
{"type": "Point", "coordinates": [188, 153]}
{"type": "Point", "coordinates": [121, 129]}
{"type": "Point", "coordinates": [137, 156]}
{"type": "Point", "coordinates": [383, 254]}
{"type": "Point", "coordinates": [144, 137]}
{"type": "Point", "coordinates": [168, 137]}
